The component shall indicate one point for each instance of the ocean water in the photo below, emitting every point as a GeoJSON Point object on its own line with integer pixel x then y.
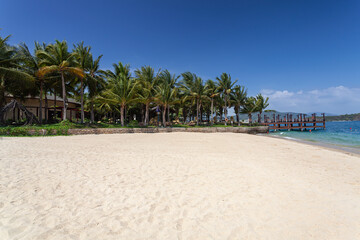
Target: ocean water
{"type": "Point", "coordinates": [345, 134]}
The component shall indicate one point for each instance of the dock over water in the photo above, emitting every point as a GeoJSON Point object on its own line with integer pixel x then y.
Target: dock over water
{"type": "Point", "coordinates": [301, 122]}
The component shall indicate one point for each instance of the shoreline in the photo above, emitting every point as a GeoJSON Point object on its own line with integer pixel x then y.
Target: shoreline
{"type": "Point", "coordinates": [337, 148]}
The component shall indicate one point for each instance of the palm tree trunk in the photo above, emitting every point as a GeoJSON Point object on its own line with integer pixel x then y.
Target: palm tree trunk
{"type": "Point", "coordinates": [46, 108]}
{"type": "Point", "coordinates": [184, 114]}
{"type": "Point", "coordinates": [212, 112]}
{"type": "Point", "coordinates": [168, 113]}
{"type": "Point", "coordinates": [238, 116]}
{"type": "Point", "coordinates": [92, 115]}
{"type": "Point", "coordinates": [55, 113]}
{"type": "Point", "coordinates": [142, 114]}
{"type": "Point", "coordinates": [40, 103]}
{"type": "Point", "coordinates": [225, 109]}
{"type": "Point", "coordinates": [2, 96]}
{"type": "Point", "coordinates": [146, 114]}
{"type": "Point", "coordinates": [221, 110]}
{"type": "Point", "coordinates": [163, 117]}
{"type": "Point", "coordinates": [197, 112]}
{"type": "Point", "coordinates": [250, 118]}
{"type": "Point", "coordinates": [63, 95]}
{"type": "Point", "coordinates": [177, 112]}
{"type": "Point", "coordinates": [125, 114]}
{"type": "Point", "coordinates": [82, 101]}
{"type": "Point", "coordinates": [122, 110]}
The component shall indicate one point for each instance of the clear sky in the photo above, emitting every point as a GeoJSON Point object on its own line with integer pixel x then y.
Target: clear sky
{"type": "Point", "coordinates": [304, 55]}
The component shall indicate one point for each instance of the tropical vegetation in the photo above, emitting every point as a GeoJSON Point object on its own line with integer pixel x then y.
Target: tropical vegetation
{"type": "Point", "coordinates": [145, 95]}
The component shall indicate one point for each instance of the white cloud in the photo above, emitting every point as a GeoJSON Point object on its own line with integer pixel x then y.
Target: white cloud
{"type": "Point", "coordinates": [338, 100]}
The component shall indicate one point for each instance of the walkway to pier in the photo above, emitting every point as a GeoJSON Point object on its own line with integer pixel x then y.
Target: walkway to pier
{"type": "Point", "coordinates": [301, 122]}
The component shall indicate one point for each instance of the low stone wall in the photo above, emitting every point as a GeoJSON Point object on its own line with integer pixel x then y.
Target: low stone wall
{"type": "Point", "coordinates": [250, 130]}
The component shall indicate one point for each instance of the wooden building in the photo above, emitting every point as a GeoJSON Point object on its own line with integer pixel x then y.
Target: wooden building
{"type": "Point", "coordinates": [54, 108]}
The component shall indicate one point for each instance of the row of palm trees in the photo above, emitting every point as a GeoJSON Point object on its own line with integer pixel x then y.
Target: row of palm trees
{"type": "Point", "coordinates": [56, 70]}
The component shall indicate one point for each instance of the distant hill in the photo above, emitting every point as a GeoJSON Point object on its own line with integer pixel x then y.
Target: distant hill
{"type": "Point", "coordinates": [346, 117]}
{"type": "Point", "coordinates": [326, 114]}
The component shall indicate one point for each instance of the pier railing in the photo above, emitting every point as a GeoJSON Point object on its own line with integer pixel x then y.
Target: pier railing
{"type": "Point", "coordinates": [300, 122]}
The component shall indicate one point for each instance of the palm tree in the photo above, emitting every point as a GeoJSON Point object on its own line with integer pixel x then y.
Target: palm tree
{"type": "Point", "coordinates": [148, 82]}
{"type": "Point", "coordinates": [121, 91]}
{"type": "Point", "coordinates": [82, 55]}
{"type": "Point", "coordinates": [225, 87]}
{"type": "Point", "coordinates": [249, 107]}
{"type": "Point", "coordinates": [199, 93]}
{"type": "Point", "coordinates": [195, 89]}
{"type": "Point", "coordinates": [238, 97]}
{"type": "Point", "coordinates": [31, 65]}
{"type": "Point", "coordinates": [165, 93]}
{"type": "Point", "coordinates": [95, 83]}
{"type": "Point", "coordinates": [13, 79]}
{"type": "Point", "coordinates": [57, 59]}
{"type": "Point", "coordinates": [171, 80]}
{"type": "Point", "coordinates": [219, 106]}
{"type": "Point", "coordinates": [182, 103]}
{"type": "Point", "coordinates": [262, 103]}
{"type": "Point", "coordinates": [212, 91]}
{"type": "Point", "coordinates": [119, 69]}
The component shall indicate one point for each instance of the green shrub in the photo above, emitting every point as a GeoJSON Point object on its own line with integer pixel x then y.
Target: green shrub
{"type": "Point", "coordinates": [55, 129]}
{"type": "Point", "coordinates": [19, 131]}
{"type": "Point", "coordinates": [62, 130]}
{"type": "Point", "coordinates": [4, 130]}
{"type": "Point", "coordinates": [133, 123]}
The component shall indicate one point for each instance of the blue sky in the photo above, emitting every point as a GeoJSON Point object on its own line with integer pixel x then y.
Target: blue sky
{"type": "Point", "coordinates": [304, 55]}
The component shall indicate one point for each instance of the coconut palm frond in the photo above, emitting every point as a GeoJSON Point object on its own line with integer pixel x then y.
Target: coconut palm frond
{"type": "Point", "coordinates": [75, 71]}
{"type": "Point", "coordinates": [16, 75]}
{"type": "Point", "coordinates": [47, 70]}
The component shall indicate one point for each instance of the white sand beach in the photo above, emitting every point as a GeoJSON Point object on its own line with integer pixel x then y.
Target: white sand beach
{"type": "Point", "coordinates": [176, 186]}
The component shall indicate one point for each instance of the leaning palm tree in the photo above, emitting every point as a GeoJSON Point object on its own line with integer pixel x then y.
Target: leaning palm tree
{"type": "Point", "coordinates": [121, 91]}
{"type": "Point", "coordinates": [262, 103]}
{"type": "Point", "coordinates": [250, 107]}
{"type": "Point", "coordinates": [57, 59]}
{"type": "Point", "coordinates": [13, 79]}
{"type": "Point", "coordinates": [212, 92]}
{"type": "Point", "coordinates": [148, 81]}
{"type": "Point", "coordinates": [238, 98]}
{"type": "Point", "coordinates": [225, 87]}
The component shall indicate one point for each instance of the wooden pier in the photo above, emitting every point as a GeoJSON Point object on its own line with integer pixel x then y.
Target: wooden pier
{"type": "Point", "coordinates": [301, 122]}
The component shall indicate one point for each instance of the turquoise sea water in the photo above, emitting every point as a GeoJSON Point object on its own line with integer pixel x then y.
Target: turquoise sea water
{"type": "Point", "coordinates": [345, 134]}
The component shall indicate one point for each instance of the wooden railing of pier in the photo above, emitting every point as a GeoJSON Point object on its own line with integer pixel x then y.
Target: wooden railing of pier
{"type": "Point", "coordinates": [301, 122]}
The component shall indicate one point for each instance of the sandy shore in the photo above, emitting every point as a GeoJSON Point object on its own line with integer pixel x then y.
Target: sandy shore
{"type": "Point", "coordinates": [176, 186]}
